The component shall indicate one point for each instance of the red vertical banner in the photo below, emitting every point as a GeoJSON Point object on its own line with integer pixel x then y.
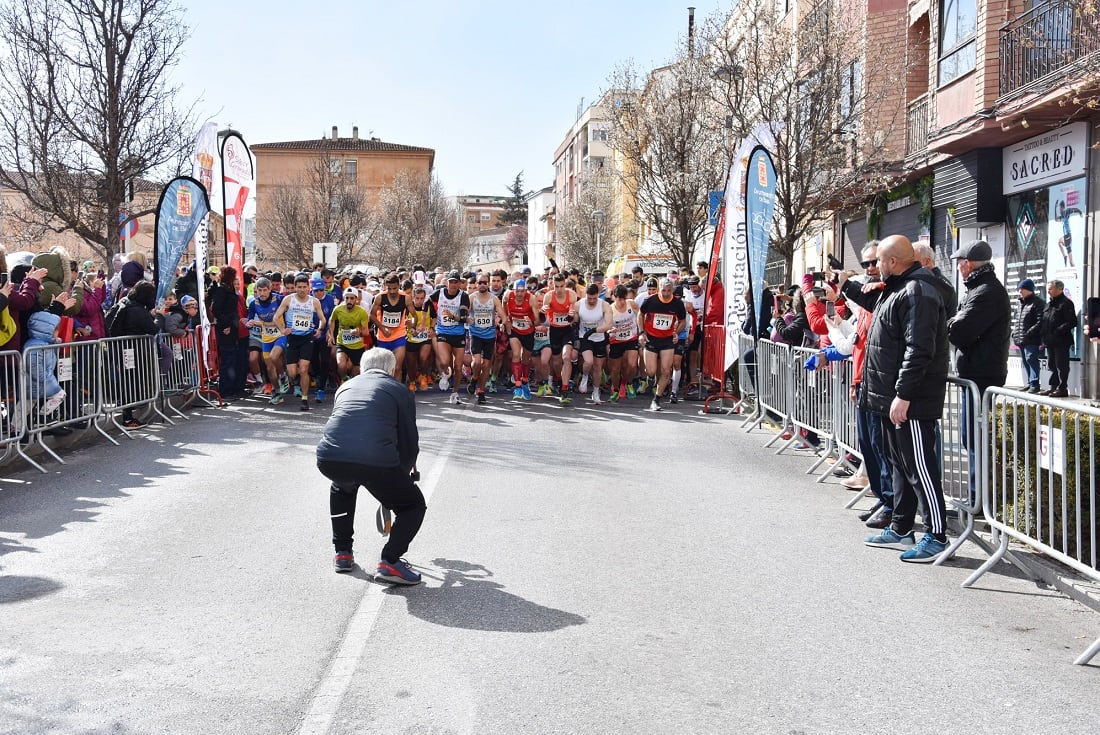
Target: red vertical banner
{"type": "Point", "coordinates": [714, 311]}
{"type": "Point", "coordinates": [238, 180]}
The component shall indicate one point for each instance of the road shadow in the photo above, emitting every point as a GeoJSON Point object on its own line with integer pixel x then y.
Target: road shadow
{"type": "Point", "coordinates": [466, 597]}
{"type": "Point", "coordinates": [16, 588]}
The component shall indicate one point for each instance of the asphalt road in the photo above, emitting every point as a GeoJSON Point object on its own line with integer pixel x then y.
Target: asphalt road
{"type": "Point", "coordinates": [587, 570]}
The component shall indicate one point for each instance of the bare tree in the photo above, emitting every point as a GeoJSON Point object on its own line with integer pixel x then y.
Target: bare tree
{"type": "Point", "coordinates": [417, 224]}
{"type": "Point", "coordinates": [321, 205]}
{"type": "Point", "coordinates": [594, 211]}
{"type": "Point", "coordinates": [86, 108]}
{"type": "Point", "coordinates": [830, 114]}
{"type": "Point", "coordinates": [671, 159]}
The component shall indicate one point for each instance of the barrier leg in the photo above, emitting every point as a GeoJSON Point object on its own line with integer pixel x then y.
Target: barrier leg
{"type": "Point", "coordinates": [830, 450]}
{"type": "Point", "coordinates": [31, 462]}
{"type": "Point", "coordinates": [1085, 657]}
{"type": "Point", "coordinates": [1002, 549]}
{"type": "Point", "coordinates": [104, 434]}
{"type": "Point", "coordinates": [954, 547]}
{"type": "Point", "coordinates": [859, 496]}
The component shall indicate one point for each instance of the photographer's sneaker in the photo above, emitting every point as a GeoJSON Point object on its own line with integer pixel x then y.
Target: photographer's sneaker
{"type": "Point", "coordinates": [928, 550]}
{"type": "Point", "coordinates": [887, 539]}
{"type": "Point", "coordinates": [344, 561]}
{"type": "Point", "coordinates": [397, 572]}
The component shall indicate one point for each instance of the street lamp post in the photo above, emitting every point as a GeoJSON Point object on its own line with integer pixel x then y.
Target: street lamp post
{"type": "Point", "coordinates": [597, 218]}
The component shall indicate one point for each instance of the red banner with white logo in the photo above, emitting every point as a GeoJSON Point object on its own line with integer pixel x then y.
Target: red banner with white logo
{"type": "Point", "coordinates": [238, 180]}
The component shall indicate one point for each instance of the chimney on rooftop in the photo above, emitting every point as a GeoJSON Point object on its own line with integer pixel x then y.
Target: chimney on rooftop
{"type": "Point", "coordinates": [355, 132]}
{"type": "Point", "coordinates": [335, 133]}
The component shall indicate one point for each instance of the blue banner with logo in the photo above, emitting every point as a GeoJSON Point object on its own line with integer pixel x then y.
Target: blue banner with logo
{"type": "Point", "coordinates": [759, 219]}
{"type": "Point", "coordinates": [183, 206]}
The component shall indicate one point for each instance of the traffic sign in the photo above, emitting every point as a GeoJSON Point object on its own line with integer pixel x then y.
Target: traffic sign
{"type": "Point", "coordinates": [129, 229]}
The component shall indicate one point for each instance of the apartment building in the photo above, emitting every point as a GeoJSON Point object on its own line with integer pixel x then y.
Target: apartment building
{"type": "Point", "coordinates": [1004, 126]}
{"type": "Point", "coordinates": [370, 163]}
{"type": "Point", "coordinates": [480, 211]}
{"type": "Point", "coordinates": [540, 227]}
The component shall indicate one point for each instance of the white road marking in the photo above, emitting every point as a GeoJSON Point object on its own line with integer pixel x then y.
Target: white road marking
{"type": "Point", "coordinates": [330, 692]}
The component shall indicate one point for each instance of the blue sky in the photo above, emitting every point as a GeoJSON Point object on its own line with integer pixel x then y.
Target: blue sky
{"type": "Point", "coordinates": [492, 86]}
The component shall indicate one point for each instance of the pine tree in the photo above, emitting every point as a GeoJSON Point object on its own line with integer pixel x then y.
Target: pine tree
{"type": "Point", "coordinates": [515, 209]}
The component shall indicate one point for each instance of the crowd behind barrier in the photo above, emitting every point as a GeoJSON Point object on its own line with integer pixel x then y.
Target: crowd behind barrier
{"type": "Point", "coordinates": [1022, 463]}
{"type": "Point", "coordinates": [99, 380]}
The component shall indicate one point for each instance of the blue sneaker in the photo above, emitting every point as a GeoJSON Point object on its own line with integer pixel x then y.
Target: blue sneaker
{"type": "Point", "coordinates": [526, 388]}
{"type": "Point", "coordinates": [320, 397]}
{"type": "Point", "coordinates": [398, 572]}
{"type": "Point", "coordinates": [517, 394]}
{"type": "Point", "coordinates": [928, 550]}
{"type": "Point", "coordinates": [344, 561]}
{"type": "Point", "coordinates": [297, 391]}
{"type": "Point", "coordinates": [887, 539]}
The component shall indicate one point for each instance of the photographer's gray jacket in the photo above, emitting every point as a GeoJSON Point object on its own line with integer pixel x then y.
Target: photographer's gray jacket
{"type": "Point", "coordinates": [373, 423]}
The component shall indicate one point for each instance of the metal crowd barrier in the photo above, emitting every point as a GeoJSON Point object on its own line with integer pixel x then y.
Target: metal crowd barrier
{"type": "Point", "coordinates": [1041, 481]}
{"type": "Point", "coordinates": [183, 378]}
{"type": "Point", "coordinates": [12, 403]}
{"type": "Point", "coordinates": [811, 403]}
{"type": "Point", "coordinates": [746, 384]}
{"type": "Point", "coordinates": [773, 382]}
{"type": "Point", "coordinates": [131, 376]}
{"type": "Point", "coordinates": [845, 421]}
{"type": "Point", "coordinates": [78, 370]}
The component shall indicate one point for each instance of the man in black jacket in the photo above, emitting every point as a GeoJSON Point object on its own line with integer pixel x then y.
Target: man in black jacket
{"type": "Point", "coordinates": [905, 380]}
{"type": "Point", "coordinates": [1059, 323]}
{"type": "Point", "coordinates": [1028, 332]}
{"type": "Point", "coordinates": [981, 327]}
{"type": "Point", "coordinates": [371, 440]}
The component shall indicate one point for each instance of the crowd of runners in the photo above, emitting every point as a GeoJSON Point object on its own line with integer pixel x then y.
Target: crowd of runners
{"type": "Point", "coordinates": [474, 334]}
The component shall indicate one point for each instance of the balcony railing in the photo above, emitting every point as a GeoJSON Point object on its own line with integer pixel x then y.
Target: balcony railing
{"type": "Point", "coordinates": [917, 116]}
{"type": "Point", "coordinates": [1044, 40]}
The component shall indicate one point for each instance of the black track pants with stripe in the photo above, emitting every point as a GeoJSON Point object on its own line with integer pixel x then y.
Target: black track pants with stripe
{"type": "Point", "coordinates": [912, 451]}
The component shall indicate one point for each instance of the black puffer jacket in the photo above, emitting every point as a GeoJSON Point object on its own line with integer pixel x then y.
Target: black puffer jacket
{"type": "Point", "coordinates": [981, 328]}
{"type": "Point", "coordinates": [907, 348]}
{"type": "Point", "coordinates": [1059, 322]}
{"type": "Point", "coordinates": [1029, 324]}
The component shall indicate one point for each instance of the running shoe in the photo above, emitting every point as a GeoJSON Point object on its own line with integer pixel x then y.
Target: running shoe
{"type": "Point", "coordinates": [277, 399]}
{"type": "Point", "coordinates": [543, 391]}
{"type": "Point", "coordinates": [565, 399]}
{"type": "Point", "coordinates": [412, 387]}
{"type": "Point", "coordinates": [320, 397]}
{"type": "Point", "coordinates": [455, 399]}
{"type": "Point", "coordinates": [471, 387]}
{"type": "Point", "coordinates": [444, 382]}
{"type": "Point", "coordinates": [596, 396]}
{"type": "Point", "coordinates": [481, 400]}
{"type": "Point", "coordinates": [926, 551]}
{"type": "Point", "coordinates": [284, 385]}
{"type": "Point", "coordinates": [305, 404]}
{"type": "Point", "coordinates": [491, 386]}
{"type": "Point", "coordinates": [423, 382]}
{"type": "Point", "coordinates": [268, 389]}
{"type": "Point", "coordinates": [398, 572]}
{"type": "Point", "coordinates": [614, 397]}
{"type": "Point", "coordinates": [887, 539]}
{"type": "Point", "coordinates": [673, 397]}
{"type": "Point", "coordinates": [584, 384]}
{"type": "Point", "coordinates": [621, 393]}
{"type": "Point", "coordinates": [344, 561]}
{"type": "Point", "coordinates": [655, 404]}
{"type": "Point", "coordinates": [630, 392]}
{"type": "Point", "coordinates": [526, 388]}
{"type": "Point", "coordinates": [517, 394]}
{"type": "Point", "coordinates": [297, 391]}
